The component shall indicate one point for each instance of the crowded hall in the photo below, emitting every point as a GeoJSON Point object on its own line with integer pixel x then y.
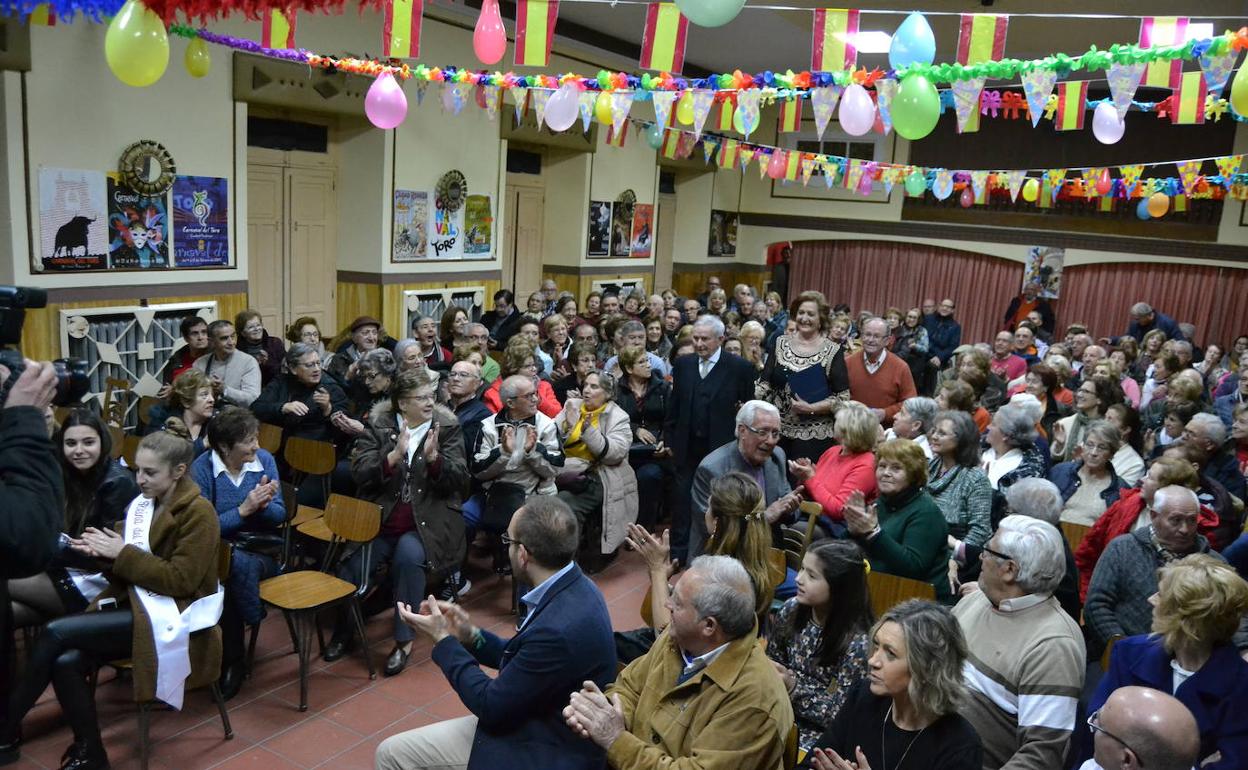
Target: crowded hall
{"type": "Point", "coordinates": [396, 385]}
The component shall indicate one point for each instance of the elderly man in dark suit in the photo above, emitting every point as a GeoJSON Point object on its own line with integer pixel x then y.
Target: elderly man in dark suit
{"type": "Point", "coordinates": [564, 641]}
{"type": "Point", "coordinates": [707, 389]}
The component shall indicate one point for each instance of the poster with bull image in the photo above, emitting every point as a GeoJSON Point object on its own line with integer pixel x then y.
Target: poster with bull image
{"type": "Point", "coordinates": [73, 220]}
{"type": "Point", "coordinates": [138, 229]}
{"type": "Point", "coordinates": [201, 230]}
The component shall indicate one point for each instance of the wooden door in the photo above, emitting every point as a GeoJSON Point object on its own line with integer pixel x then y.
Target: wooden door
{"type": "Point", "coordinates": [665, 242]}
{"type": "Point", "coordinates": [527, 212]}
{"type": "Point", "coordinates": [266, 244]}
{"type": "Point", "coordinates": [312, 269]}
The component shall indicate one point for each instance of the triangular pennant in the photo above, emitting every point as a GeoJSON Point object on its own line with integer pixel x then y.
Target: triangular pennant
{"type": "Point", "coordinates": [808, 168]}
{"type": "Point", "coordinates": [453, 97]}
{"type": "Point", "coordinates": [685, 144]}
{"type": "Point", "coordinates": [1218, 70]}
{"type": "Point", "coordinates": [663, 101]}
{"type": "Point", "coordinates": [728, 154]}
{"type": "Point", "coordinates": [1188, 171]}
{"type": "Point", "coordinates": [144, 316]}
{"type": "Point", "coordinates": [764, 160]}
{"type": "Point", "coordinates": [823, 103]}
{"type": "Point", "coordinates": [540, 97]}
{"type": "Point", "coordinates": [1229, 167]}
{"type": "Point", "coordinates": [853, 173]}
{"type": "Point", "coordinates": [885, 90]}
{"type": "Point", "coordinates": [966, 101]}
{"type": "Point", "coordinates": [490, 101]}
{"type": "Point", "coordinates": [702, 101]}
{"type": "Point", "coordinates": [1124, 79]}
{"type": "Point", "coordinates": [708, 149]}
{"type": "Point", "coordinates": [747, 105]}
{"type": "Point", "coordinates": [979, 185]}
{"type": "Point", "coordinates": [1014, 180]}
{"type": "Point", "coordinates": [866, 182]}
{"type": "Point", "coordinates": [1090, 177]}
{"type": "Point", "coordinates": [1130, 177]}
{"type": "Point", "coordinates": [585, 102]}
{"type": "Point", "coordinates": [1054, 178]}
{"type": "Point", "coordinates": [521, 95]}
{"type": "Point", "coordinates": [421, 87]}
{"type": "Point", "coordinates": [616, 138]}
{"type": "Point", "coordinates": [621, 103]}
{"type": "Point", "coordinates": [1037, 86]}
{"type": "Point", "coordinates": [744, 156]}
{"type": "Point", "coordinates": [829, 175]}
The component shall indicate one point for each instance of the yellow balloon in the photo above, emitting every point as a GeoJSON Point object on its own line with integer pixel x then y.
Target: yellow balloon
{"type": "Point", "coordinates": [602, 108]}
{"type": "Point", "coordinates": [197, 59]}
{"type": "Point", "coordinates": [1239, 92]}
{"type": "Point", "coordinates": [136, 45]}
{"type": "Point", "coordinates": [684, 108]}
{"type": "Point", "coordinates": [1158, 204]}
{"type": "Point", "coordinates": [1031, 190]}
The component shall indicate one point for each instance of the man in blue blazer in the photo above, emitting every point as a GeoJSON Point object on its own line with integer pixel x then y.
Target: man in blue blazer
{"type": "Point", "coordinates": [565, 639]}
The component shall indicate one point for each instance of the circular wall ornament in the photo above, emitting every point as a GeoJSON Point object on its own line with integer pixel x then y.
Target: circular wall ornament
{"type": "Point", "coordinates": [627, 200]}
{"type": "Point", "coordinates": [77, 327]}
{"type": "Point", "coordinates": [147, 168]}
{"type": "Point", "coordinates": [451, 191]}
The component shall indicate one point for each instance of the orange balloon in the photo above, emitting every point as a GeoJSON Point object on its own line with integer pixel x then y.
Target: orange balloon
{"type": "Point", "coordinates": [1158, 204]}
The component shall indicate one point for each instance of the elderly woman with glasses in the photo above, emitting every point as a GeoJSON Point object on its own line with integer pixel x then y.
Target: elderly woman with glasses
{"type": "Point", "coordinates": [1090, 485]}
{"type": "Point", "coordinates": [255, 340]}
{"type": "Point", "coordinates": [520, 357]}
{"type": "Point", "coordinates": [303, 400]}
{"type": "Point", "coordinates": [1012, 452]}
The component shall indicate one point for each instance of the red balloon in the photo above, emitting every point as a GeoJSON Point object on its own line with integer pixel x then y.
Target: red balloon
{"type": "Point", "coordinates": [1104, 184]}
{"type": "Point", "coordinates": [967, 198]}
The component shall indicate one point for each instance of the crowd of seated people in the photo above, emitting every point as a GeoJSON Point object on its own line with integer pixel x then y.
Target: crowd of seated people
{"type": "Point", "coordinates": [1046, 495]}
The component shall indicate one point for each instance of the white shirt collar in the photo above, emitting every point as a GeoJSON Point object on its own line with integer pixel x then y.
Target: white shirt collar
{"type": "Point", "coordinates": [1021, 603]}
{"type": "Point", "coordinates": [415, 434]}
{"type": "Point", "coordinates": [693, 665]}
{"type": "Point", "coordinates": [218, 467]}
{"type": "Point", "coordinates": [874, 367]}
{"type": "Point", "coordinates": [714, 357]}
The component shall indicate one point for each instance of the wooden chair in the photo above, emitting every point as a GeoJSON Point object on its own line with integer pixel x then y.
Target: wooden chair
{"type": "Point", "coordinates": [308, 457]}
{"type": "Point", "coordinates": [118, 436]}
{"type": "Point", "coordinates": [813, 511]}
{"type": "Point", "coordinates": [1074, 534]}
{"type": "Point", "coordinates": [796, 542]}
{"type": "Point", "coordinates": [270, 438]}
{"type": "Point", "coordinates": [792, 749]}
{"type": "Point", "coordinates": [145, 408]}
{"type": "Point", "coordinates": [116, 401]}
{"type": "Point", "coordinates": [130, 447]}
{"type": "Point", "coordinates": [887, 591]}
{"type": "Point", "coordinates": [1109, 648]}
{"type": "Point", "coordinates": [301, 595]}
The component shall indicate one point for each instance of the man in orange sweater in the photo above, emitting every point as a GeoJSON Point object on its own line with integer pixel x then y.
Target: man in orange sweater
{"type": "Point", "coordinates": [876, 379]}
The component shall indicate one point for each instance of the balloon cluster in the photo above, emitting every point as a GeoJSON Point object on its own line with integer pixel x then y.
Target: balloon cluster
{"type": "Point", "coordinates": [915, 108]}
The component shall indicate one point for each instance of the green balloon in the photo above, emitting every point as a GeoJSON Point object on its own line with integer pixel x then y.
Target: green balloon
{"type": "Point", "coordinates": [916, 107]}
{"type": "Point", "coordinates": [916, 183]}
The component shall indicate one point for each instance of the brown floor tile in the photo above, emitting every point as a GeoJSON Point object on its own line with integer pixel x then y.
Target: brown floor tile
{"type": "Point", "coordinates": [313, 742]}
{"type": "Point", "coordinates": [448, 707]}
{"type": "Point", "coordinates": [368, 712]}
{"type": "Point", "coordinates": [265, 717]}
{"type": "Point", "coordinates": [417, 686]}
{"type": "Point", "coordinates": [324, 690]}
{"type": "Point", "coordinates": [258, 758]}
{"type": "Point", "coordinates": [198, 748]}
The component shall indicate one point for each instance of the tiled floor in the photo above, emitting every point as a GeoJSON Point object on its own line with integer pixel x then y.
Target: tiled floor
{"type": "Point", "coordinates": [347, 716]}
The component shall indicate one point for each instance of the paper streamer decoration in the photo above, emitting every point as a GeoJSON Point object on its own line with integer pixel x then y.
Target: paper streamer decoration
{"type": "Point", "coordinates": [43, 15]}
{"type": "Point", "coordinates": [1156, 31]}
{"type": "Point", "coordinates": [663, 101]}
{"type": "Point", "coordinates": [885, 90]}
{"type": "Point", "coordinates": [277, 30]}
{"type": "Point", "coordinates": [790, 116]}
{"type": "Point", "coordinates": [832, 46]}
{"type": "Point", "coordinates": [853, 173]}
{"type": "Point", "coordinates": [979, 185]}
{"type": "Point", "coordinates": [981, 38]}
{"type": "Point", "coordinates": [535, 30]}
{"type": "Point", "coordinates": [1014, 180]}
{"type": "Point", "coordinates": [1218, 70]}
{"type": "Point", "coordinates": [521, 95]}
{"type": "Point", "coordinates": [1188, 172]}
{"type": "Point", "coordinates": [708, 149]}
{"type": "Point", "coordinates": [823, 103]}
{"type": "Point", "coordinates": [671, 140]}
{"type": "Point", "coordinates": [728, 155]}
{"type": "Point", "coordinates": [1228, 167]}
{"type": "Point", "coordinates": [663, 43]}
{"type": "Point", "coordinates": [615, 137]}
{"type": "Point", "coordinates": [400, 29]}
{"type": "Point", "coordinates": [621, 103]}
{"type": "Point", "coordinates": [1188, 102]}
{"type": "Point", "coordinates": [1130, 177]}
{"type": "Point", "coordinates": [808, 169]}
{"type": "Point", "coordinates": [540, 97]}
{"type": "Point", "coordinates": [1124, 79]}
{"type": "Point", "coordinates": [747, 106]}
{"type": "Point", "coordinates": [1072, 100]}
{"type": "Point", "coordinates": [702, 101]}
{"type": "Point", "coordinates": [585, 103]}
{"type": "Point", "coordinates": [744, 156]}
{"type": "Point", "coordinates": [764, 160]}
{"type": "Point", "coordinates": [1037, 86]}
{"type": "Point", "coordinates": [966, 103]}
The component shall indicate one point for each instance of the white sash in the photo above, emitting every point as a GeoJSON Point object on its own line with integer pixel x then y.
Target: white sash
{"type": "Point", "coordinates": [171, 629]}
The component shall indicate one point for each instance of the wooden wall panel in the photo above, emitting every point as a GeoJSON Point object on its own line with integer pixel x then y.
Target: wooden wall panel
{"type": "Point", "coordinates": [386, 302]}
{"type": "Point", "coordinates": [565, 282]}
{"type": "Point", "coordinates": [585, 283]}
{"type": "Point", "coordinates": [690, 280]}
{"type": "Point", "coordinates": [355, 300]}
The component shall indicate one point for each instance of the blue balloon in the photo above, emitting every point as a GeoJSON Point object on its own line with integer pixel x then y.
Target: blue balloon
{"type": "Point", "coordinates": [913, 43]}
{"type": "Point", "coordinates": [654, 136]}
{"type": "Point", "coordinates": [1141, 210]}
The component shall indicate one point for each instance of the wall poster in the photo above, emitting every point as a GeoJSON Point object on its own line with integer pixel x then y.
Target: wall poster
{"type": "Point", "coordinates": [446, 233]}
{"type": "Point", "coordinates": [723, 235]}
{"type": "Point", "coordinates": [73, 220]}
{"type": "Point", "coordinates": [478, 226]}
{"type": "Point", "coordinates": [642, 245]}
{"type": "Point", "coordinates": [599, 229]}
{"type": "Point", "coordinates": [137, 229]}
{"type": "Point", "coordinates": [201, 232]}
{"type": "Point", "coordinates": [411, 215]}
{"type": "Point", "coordinates": [621, 228]}
{"type": "Point", "coordinates": [1044, 265]}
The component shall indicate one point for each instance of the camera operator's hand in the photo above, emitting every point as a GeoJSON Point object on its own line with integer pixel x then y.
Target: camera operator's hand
{"type": "Point", "coordinates": [35, 387]}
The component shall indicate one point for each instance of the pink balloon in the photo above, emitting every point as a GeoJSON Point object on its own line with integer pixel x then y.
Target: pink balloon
{"type": "Point", "coordinates": [857, 110]}
{"type": "Point", "coordinates": [562, 109]}
{"type": "Point", "coordinates": [385, 104]}
{"type": "Point", "coordinates": [967, 198]}
{"type": "Point", "coordinates": [1107, 127]}
{"type": "Point", "coordinates": [776, 166]}
{"type": "Point", "coordinates": [489, 39]}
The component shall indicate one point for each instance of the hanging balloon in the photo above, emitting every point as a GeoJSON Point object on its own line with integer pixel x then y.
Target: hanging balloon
{"type": "Point", "coordinates": [1239, 92]}
{"type": "Point", "coordinates": [684, 108]}
{"type": "Point", "coordinates": [857, 110]}
{"type": "Point", "coordinates": [562, 110]}
{"type": "Point", "coordinates": [489, 38]}
{"type": "Point", "coordinates": [1158, 204]}
{"type": "Point", "coordinates": [654, 136]}
{"type": "Point", "coordinates": [916, 184]}
{"type": "Point", "coordinates": [1107, 127]}
{"type": "Point", "coordinates": [196, 59]}
{"type": "Point", "coordinates": [915, 107]}
{"type": "Point", "coordinates": [942, 187]}
{"type": "Point", "coordinates": [913, 43]}
{"type": "Point", "coordinates": [967, 198]}
{"type": "Point", "coordinates": [602, 109]}
{"type": "Point", "coordinates": [1104, 184]}
{"type": "Point", "coordinates": [385, 104]}
{"type": "Point", "coordinates": [738, 120]}
{"type": "Point", "coordinates": [1031, 190]}
{"type": "Point", "coordinates": [1141, 210]}
{"type": "Point", "coordinates": [710, 13]}
{"type": "Point", "coordinates": [136, 45]}
{"type": "Point", "coordinates": [776, 166]}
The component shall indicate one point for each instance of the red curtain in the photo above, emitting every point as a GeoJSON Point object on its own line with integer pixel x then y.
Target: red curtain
{"type": "Point", "coordinates": [874, 275]}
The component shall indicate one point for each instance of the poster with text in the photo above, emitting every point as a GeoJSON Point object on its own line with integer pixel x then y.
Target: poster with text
{"type": "Point", "coordinates": [201, 222]}
{"type": "Point", "coordinates": [138, 229]}
{"type": "Point", "coordinates": [411, 218]}
{"type": "Point", "coordinates": [599, 229]}
{"type": "Point", "coordinates": [642, 241]}
{"type": "Point", "coordinates": [723, 235]}
{"type": "Point", "coordinates": [621, 229]}
{"type": "Point", "coordinates": [1044, 265]}
{"type": "Point", "coordinates": [478, 226]}
{"type": "Point", "coordinates": [73, 220]}
{"type": "Point", "coordinates": [446, 233]}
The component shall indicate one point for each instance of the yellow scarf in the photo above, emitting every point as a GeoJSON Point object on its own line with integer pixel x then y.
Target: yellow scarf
{"type": "Point", "coordinates": [574, 446]}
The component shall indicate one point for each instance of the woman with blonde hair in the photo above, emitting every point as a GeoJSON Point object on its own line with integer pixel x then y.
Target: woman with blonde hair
{"type": "Point", "coordinates": [192, 402]}
{"type": "Point", "coordinates": [845, 468]}
{"type": "Point", "coordinates": [1199, 605]}
{"type": "Point", "coordinates": [751, 336]}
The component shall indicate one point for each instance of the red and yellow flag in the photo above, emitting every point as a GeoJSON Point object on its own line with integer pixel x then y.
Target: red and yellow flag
{"type": "Point", "coordinates": [663, 44]}
{"type": "Point", "coordinates": [726, 109]}
{"type": "Point", "coordinates": [278, 30]}
{"type": "Point", "coordinates": [832, 45]}
{"type": "Point", "coordinates": [728, 154]}
{"type": "Point", "coordinates": [981, 38]}
{"type": "Point", "coordinates": [1157, 31]}
{"type": "Point", "coordinates": [791, 115]}
{"type": "Point", "coordinates": [1072, 102]}
{"type": "Point", "coordinates": [617, 139]}
{"type": "Point", "coordinates": [535, 29]}
{"type": "Point", "coordinates": [671, 143]}
{"type": "Point", "coordinates": [792, 165]}
{"type": "Point", "coordinates": [43, 15]}
{"type": "Point", "coordinates": [400, 31]}
{"type": "Point", "coordinates": [1187, 107]}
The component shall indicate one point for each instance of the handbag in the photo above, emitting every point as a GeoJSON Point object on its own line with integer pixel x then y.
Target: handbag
{"type": "Point", "coordinates": [502, 500]}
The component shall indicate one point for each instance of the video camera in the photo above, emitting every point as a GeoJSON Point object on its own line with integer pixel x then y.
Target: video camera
{"type": "Point", "coordinates": [71, 373]}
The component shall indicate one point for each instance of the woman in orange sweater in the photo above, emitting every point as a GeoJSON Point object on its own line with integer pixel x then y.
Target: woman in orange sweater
{"type": "Point", "coordinates": [844, 469]}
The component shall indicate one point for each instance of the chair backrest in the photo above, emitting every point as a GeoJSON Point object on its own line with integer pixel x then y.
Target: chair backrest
{"type": "Point", "coordinates": [812, 511]}
{"type": "Point", "coordinates": [887, 590]}
{"type": "Point", "coordinates": [116, 401]}
{"type": "Point", "coordinates": [270, 438]}
{"type": "Point", "coordinates": [777, 565]}
{"type": "Point", "coordinates": [1109, 648]}
{"type": "Point", "coordinates": [647, 609]}
{"type": "Point", "coordinates": [791, 749]}
{"type": "Point", "coordinates": [352, 519]}
{"type": "Point", "coordinates": [145, 408]}
{"type": "Point", "coordinates": [130, 447]}
{"type": "Point", "coordinates": [290, 498]}
{"type": "Point", "coordinates": [309, 456]}
{"type": "Point", "coordinates": [118, 436]}
{"type": "Point", "coordinates": [1074, 533]}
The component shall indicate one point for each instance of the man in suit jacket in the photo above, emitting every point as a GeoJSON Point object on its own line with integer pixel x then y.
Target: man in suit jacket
{"type": "Point", "coordinates": [755, 454]}
{"type": "Point", "coordinates": [707, 389]}
{"type": "Point", "coordinates": [503, 321]}
{"type": "Point", "coordinates": [564, 641]}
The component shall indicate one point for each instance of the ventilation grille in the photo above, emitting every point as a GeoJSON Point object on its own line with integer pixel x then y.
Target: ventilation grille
{"type": "Point", "coordinates": [622, 286]}
{"type": "Point", "coordinates": [434, 302]}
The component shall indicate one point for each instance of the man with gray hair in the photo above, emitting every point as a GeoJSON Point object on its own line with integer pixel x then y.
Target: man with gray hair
{"type": "Point", "coordinates": [876, 379]}
{"type": "Point", "coordinates": [478, 334]}
{"type": "Point", "coordinates": [632, 334]}
{"type": "Point", "coordinates": [1207, 434]}
{"type": "Point", "coordinates": [705, 694]}
{"type": "Point", "coordinates": [1025, 662]}
{"type": "Point", "coordinates": [913, 421]}
{"type": "Point", "coordinates": [1144, 318]}
{"type": "Point", "coordinates": [756, 453]}
{"type": "Point", "coordinates": [708, 387]}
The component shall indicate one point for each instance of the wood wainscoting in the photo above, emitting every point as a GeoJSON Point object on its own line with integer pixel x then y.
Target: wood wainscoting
{"type": "Point", "coordinates": [377, 296]}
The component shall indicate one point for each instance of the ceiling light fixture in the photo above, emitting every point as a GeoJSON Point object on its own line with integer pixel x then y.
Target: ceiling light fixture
{"type": "Point", "coordinates": [874, 41]}
{"type": "Point", "coordinates": [1199, 31]}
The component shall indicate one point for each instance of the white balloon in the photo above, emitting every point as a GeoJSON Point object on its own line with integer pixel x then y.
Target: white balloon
{"type": "Point", "coordinates": [857, 114]}
{"type": "Point", "coordinates": [1107, 127]}
{"type": "Point", "coordinates": [563, 109]}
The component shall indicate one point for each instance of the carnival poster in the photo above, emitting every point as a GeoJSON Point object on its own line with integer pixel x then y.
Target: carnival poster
{"type": "Point", "coordinates": [478, 226]}
{"type": "Point", "coordinates": [621, 229]}
{"type": "Point", "coordinates": [138, 229]}
{"type": "Point", "coordinates": [599, 229]}
{"type": "Point", "coordinates": [446, 233]}
{"type": "Point", "coordinates": [411, 216]}
{"type": "Point", "coordinates": [1044, 266]}
{"type": "Point", "coordinates": [642, 245]}
{"type": "Point", "coordinates": [723, 234]}
{"type": "Point", "coordinates": [73, 220]}
{"type": "Point", "coordinates": [201, 229]}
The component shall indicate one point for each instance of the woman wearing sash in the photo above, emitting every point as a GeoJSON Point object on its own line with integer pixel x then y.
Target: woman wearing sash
{"type": "Point", "coordinates": [162, 573]}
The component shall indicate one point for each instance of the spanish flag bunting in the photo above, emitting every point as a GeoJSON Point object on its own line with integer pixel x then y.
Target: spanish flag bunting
{"type": "Point", "coordinates": [400, 30]}
{"type": "Point", "coordinates": [616, 138]}
{"type": "Point", "coordinates": [1105, 204]}
{"type": "Point", "coordinates": [791, 115]}
{"type": "Point", "coordinates": [535, 29]}
{"type": "Point", "coordinates": [981, 38]}
{"type": "Point", "coordinates": [1072, 101]}
{"type": "Point", "coordinates": [728, 153]}
{"type": "Point", "coordinates": [832, 45]}
{"type": "Point", "coordinates": [853, 174]}
{"type": "Point", "coordinates": [663, 42]}
{"type": "Point", "coordinates": [671, 140]}
{"type": "Point", "coordinates": [1188, 105]}
{"type": "Point", "coordinates": [1158, 31]}
{"type": "Point", "coordinates": [277, 31]}
{"type": "Point", "coordinates": [792, 165]}
{"type": "Point", "coordinates": [1045, 201]}
{"type": "Point", "coordinates": [726, 108]}
{"type": "Point", "coordinates": [43, 15]}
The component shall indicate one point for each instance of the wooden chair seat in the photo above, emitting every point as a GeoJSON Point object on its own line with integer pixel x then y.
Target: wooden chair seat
{"type": "Point", "coordinates": [315, 528]}
{"type": "Point", "coordinates": [305, 590]}
{"type": "Point", "coordinates": [1074, 533]}
{"type": "Point", "coordinates": [270, 437]}
{"type": "Point", "coordinates": [305, 513]}
{"type": "Point", "coordinates": [887, 591]}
